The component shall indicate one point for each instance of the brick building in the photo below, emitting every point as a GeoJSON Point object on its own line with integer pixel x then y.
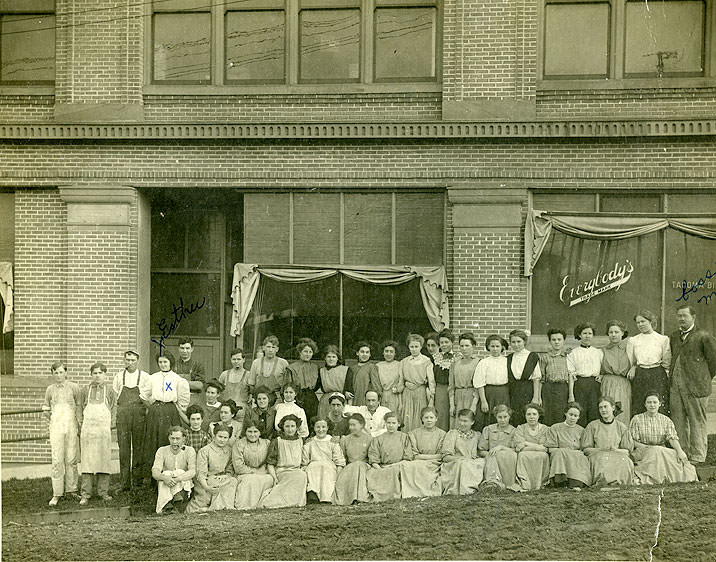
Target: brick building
{"type": "Point", "coordinates": [147, 147]}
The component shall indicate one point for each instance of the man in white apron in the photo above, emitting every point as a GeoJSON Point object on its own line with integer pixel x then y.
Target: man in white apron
{"type": "Point", "coordinates": [63, 406]}
{"type": "Point", "coordinates": [96, 435]}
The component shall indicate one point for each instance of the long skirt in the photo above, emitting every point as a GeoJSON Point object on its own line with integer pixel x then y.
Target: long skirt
{"type": "Point", "coordinates": [392, 401]}
{"type": "Point", "coordinates": [308, 400]}
{"type": "Point", "coordinates": [521, 394]}
{"type": "Point", "coordinates": [495, 394]}
{"type": "Point", "coordinates": [645, 380]}
{"type": "Point", "coordinates": [442, 405]}
{"type": "Point", "coordinates": [160, 417]}
{"type": "Point", "coordinates": [610, 468]}
{"type": "Point", "coordinates": [414, 400]}
{"type": "Point", "coordinates": [570, 463]}
{"type": "Point", "coordinates": [251, 488]}
{"type": "Point", "coordinates": [463, 401]}
{"type": "Point", "coordinates": [321, 477]}
{"type": "Point", "coordinates": [352, 484]}
{"type": "Point", "coordinates": [462, 476]}
{"type": "Point", "coordinates": [532, 470]}
{"type": "Point", "coordinates": [420, 478]}
{"type": "Point", "coordinates": [555, 396]}
{"type": "Point", "coordinates": [289, 491]}
{"type": "Point", "coordinates": [384, 483]}
{"type": "Point", "coordinates": [619, 388]}
{"type": "Point", "coordinates": [586, 392]}
{"type": "Point", "coordinates": [660, 465]}
{"type": "Point", "coordinates": [501, 467]}
{"type": "Point", "coordinates": [203, 500]}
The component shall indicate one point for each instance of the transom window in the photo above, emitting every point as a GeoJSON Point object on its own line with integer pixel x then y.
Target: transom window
{"type": "Point", "coordinates": [225, 42]}
{"type": "Point", "coordinates": [27, 42]}
{"type": "Point", "coordinates": [615, 39]}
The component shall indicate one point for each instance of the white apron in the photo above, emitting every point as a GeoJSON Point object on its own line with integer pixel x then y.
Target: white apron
{"type": "Point", "coordinates": [96, 437]}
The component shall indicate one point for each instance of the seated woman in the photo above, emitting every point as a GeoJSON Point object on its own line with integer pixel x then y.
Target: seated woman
{"type": "Point", "coordinates": [284, 465]}
{"type": "Point", "coordinates": [337, 422]}
{"type": "Point", "coordinates": [215, 484]}
{"type": "Point", "coordinates": [322, 460]}
{"type": "Point", "coordinates": [532, 458]}
{"type": "Point", "coordinates": [658, 453]}
{"type": "Point", "coordinates": [462, 467]}
{"type": "Point", "coordinates": [421, 476]}
{"type": "Point", "coordinates": [497, 446]}
{"type": "Point", "coordinates": [173, 469]}
{"type": "Point", "coordinates": [289, 406]}
{"type": "Point", "coordinates": [607, 443]}
{"type": "Point", "coordinates": [227, 412]}
{"type": "Point", "coordinates": [386, 454]}
{"type": "Point", "coordinates": [249, 459]}
{"type": "Point", "coordinates": [352, 484]}
{"type": "Point", "coordinates": [568, 464]}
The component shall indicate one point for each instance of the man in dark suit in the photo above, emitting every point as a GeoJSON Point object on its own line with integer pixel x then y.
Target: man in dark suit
{"type": "Point", "coordinates": [693, 365]}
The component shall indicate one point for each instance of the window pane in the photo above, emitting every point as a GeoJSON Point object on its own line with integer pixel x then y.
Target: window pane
{"type": "Point", "coordinates": [316, 227]}
{"type": "Point", "coordinates": [419, 228]}
{"type": "Point", "coordinates": [564, 279]}
{"type": "Point", "coordinates": [291, 311]}
{"type": "Point", "coordinates": [330, 45]}
{"type": "Point", "coordinates": [266, 220]}
{"type": "Point", "coordinates": [691, 202]}
{"type": "Point", "coordinates": [576, 40]}
{"type": "Point", "coordinates": [206, 239]}
{"type": "Point", "coordinates": [565, 202]}
{"type": "Point", "coordinates": [405, 43]}
{"type": "Point", "coordinates": [630, 203]}
{"type": "Point", "coordinates": [664, 38]}
{"type": "Point", "coordinates": [182, 47]}
{"type": "Point", "coordinates": [255, 48]}
{"type": "Point", "coordinates": [690, 259]}
{"type": "Point", "coordinates": [27, 48]}
{"type": "Point", "coordinates": [367, 226]}
{"type": "Point", "coordinates": [168, 239]}
{"type": "Point", "coordinates": [171, 291]}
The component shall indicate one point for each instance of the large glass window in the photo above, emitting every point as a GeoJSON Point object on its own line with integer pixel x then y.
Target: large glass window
{"type": "Point", "coordinates": [294, 41]}
{"type": "Point", "coordinates": [27, 42]}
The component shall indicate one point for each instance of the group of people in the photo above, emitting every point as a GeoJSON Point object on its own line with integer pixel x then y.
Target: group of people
{"type": "Point", "coordinates": [439, 421]}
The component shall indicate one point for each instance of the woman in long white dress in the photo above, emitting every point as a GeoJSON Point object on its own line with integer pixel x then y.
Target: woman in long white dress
{"type": "Point", "coordinates": [322, 460]}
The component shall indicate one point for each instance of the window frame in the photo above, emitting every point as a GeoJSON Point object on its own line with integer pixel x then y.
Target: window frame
{"type": "Point", "coordinates": [617, 78]}
{"type": "Point", "coordinates": [221, 85]}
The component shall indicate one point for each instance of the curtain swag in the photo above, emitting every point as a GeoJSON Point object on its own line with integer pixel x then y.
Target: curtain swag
{"type": "Point", "coordinates": [6, 292]}
{"type": "Point", "coordinates": [539, 225]}
{"type": "Point", "coordinates": [433, 286]}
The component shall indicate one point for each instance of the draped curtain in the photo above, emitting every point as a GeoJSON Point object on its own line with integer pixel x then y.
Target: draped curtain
{"type": "Point", "coordinates": [433, 286]}
{"type": "Point", "coordinates": [6, 292]}
{"type": "Point", "coordinates": [539, 225]}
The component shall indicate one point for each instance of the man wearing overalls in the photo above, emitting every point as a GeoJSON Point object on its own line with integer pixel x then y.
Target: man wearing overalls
{"type": "Point", "coordinates": [133, 389]}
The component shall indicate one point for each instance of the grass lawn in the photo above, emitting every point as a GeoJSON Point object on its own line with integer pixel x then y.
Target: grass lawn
{"type": "Point", "coordinates": [614, 524]}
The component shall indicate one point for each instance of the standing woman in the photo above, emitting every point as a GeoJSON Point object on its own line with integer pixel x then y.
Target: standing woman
{"type": "Point", "coordinates": [584, 364]}
{"type": "Point", "coordinates": [524, 374]}
{"type": "Point", "coordinates": [249, 459]}
{"type": "Point", "coordinates": [421, 476]}
{"type": "Point", "coordinates": [352, 482]}
{"type": "Point", "coordinates": [650, 356]}
{"type": "Point", "coordinates": [608, 443]}
{"type": "Point", "coordinates": [432, 344]}
{"type": "Point", "coordinates": [168, 401]}
{"type": "Point", "coordinates": [568, 464]}
{"type": "Point", "coordinates": [332, 378]}
{"type": "Point", "coordinates": [557, 386]}
{"type": "Point", "coordinates": [615, 369]}
{"type": "Point", "coordinates": [530, 443]}
{"type": "Point", "coordinates": [361, 377]}
{"type": "Point", "coordinates": [391, 378]}
{"type": "Point", "coordinates": [419, 382]}
{"type": "Point", "coordinates": [461, 392]}
{"type": "Point", "coordinates": [215, 483]}
{"type": "Point", "coordinates": [490, 380]}
{"type": "Point", "coordinates": [284, 465]}
{"type": "Point", "coordinates": [442, 362]}
{"type": "Point", "coordinates": [497, 445]}
{"type": "Point", "coordinates": [304, 375]}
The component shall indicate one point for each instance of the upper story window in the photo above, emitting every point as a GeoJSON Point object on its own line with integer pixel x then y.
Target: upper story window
{"type": "Point", "coordinates": [625, 39]}
{"type": "Point", "coordinates": [223, 42]}
{"type": "Point", "coordinates": [27, 42]}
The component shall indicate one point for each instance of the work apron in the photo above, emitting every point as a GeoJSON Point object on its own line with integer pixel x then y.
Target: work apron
{"type": "Point", "coordinates": [96, 437]}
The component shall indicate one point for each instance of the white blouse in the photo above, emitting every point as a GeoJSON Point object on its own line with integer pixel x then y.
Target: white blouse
{"type": "Point", "coordinates": [490, 370]}
{"type": "Point", "coordinates": [518, 365]}
{"type": "Point", "coordinates": [649, 350]}
{"type": "Point", "coordinates": [286, 408]}
{"type": "Point", "coordinates": [584, 362]}
{"type": "Point", "coordinates": [167, 386]}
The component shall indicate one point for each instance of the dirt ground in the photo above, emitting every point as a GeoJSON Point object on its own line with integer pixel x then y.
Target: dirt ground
{"type": "Point", "coordinates": [614, 524]}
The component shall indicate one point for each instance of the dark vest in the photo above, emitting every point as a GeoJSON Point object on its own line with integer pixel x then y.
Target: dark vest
{"type": "Point", "coordinates": [530, 364]}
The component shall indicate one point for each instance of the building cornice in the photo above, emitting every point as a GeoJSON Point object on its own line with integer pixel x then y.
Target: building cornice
{"type": "Point", "coordinates": [404, 130]}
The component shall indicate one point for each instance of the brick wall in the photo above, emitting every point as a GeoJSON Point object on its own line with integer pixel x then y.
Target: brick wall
{"type": "Point", "coordinates": [26, 109]}
{"type": "Point", "coordinates": [25, 425]}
